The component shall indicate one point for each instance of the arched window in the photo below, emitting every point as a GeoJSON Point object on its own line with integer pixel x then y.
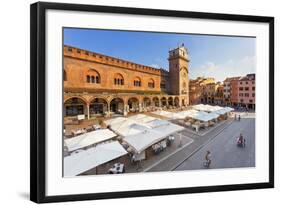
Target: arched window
{"type": "Point", "coordinates": [93, 77]}
{"type": "Point", "coordinates": [118, 79]}
{"type": "Point", "coordinates": [184, 85]}
{"type": "Point", "coordinates": [151, 83]}
{"type": "Point", "coordinates": [137, 82]}
{"type": "Point", "coordinates": [64, 76]}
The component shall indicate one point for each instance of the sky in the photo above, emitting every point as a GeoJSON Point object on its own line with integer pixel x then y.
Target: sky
{"type": "Point", "coordinates": [210, 55]}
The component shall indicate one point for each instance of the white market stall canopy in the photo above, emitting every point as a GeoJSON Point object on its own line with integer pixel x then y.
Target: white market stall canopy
{"type": "Point", "coordinates": [167, 114]}
{"type": "Point", "coordinates": [157, 123]}
{"type": "Point", "coordinates": [141, 118]}
{"type": "Point", "coordinates": [223, 110]}
{"type": "Point", "coordinates": [168, 129]}
{"type": "Point", "coordinates": [130, 129]}
{"type": "Point", "coordinates": [115, 120]}
{"type": "Point", "coordinates": [147, 138]}
{"type": "Point", "coordinates": [195, 114]}
{"type": "Point", "coordinates": [78, 163]}
{"type": "Point", "coordinates": [88, 139]}
{"type": "Point", "coordinates": [204, 116]}
{"type": "Point", "coordinates": [206, 108]}
{"type": "Point", "coordinates": [141, 131]}
{"type": "Point", "coordinates": [186, 113]}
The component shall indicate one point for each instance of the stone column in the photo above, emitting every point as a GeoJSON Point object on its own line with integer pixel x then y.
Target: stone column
{"type": "Point", "coordinates": [88, 111]}
{"type": "Point", "coordinates": [125, 109]}
{"type": "Point", "coordinates": [140, 107]}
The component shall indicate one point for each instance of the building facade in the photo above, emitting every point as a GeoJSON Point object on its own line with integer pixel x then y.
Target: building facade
{"type": "Point", "coordinates": [219, 95]}
{"type": "Point", "coordinates": [97, 84]}
{"type": "Point", "coordinates": [197, 89]}
{"type": "Point", "coordinates": [240, 91]}
{"type": "Point", "coordinates": [230, 93]}
{"type": "Point", "coordinates": [246, 91]}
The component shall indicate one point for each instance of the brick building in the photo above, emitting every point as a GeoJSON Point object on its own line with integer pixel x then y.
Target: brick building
{"type": "Point", "coordinates": [97, 84]}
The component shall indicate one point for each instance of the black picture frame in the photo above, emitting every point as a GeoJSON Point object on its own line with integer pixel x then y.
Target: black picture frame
{"type": "Point", "coordinates": [38, 100]}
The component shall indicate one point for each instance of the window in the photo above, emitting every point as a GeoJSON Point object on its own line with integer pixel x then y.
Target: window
{"type": "Point", "coordinates": [241, 94]}
{"type": "Point", "coordinates": [93, 77]}
{"type": "Point", "coordinates": [251, 101]}
{"type": "Point", "coordinates": [240, 83]}
{"type": "Point", "coordinates": [151, 83]}
{"type": "Point", "coordinates": [253, 94]}
{"type": "Point", "coordinates": [247, 82]}
{"type": "Point", "coordinates": [88, 79]}
{"type": "Point", "coordinates": [254, 88]}
{"type": "Point", "coordinates": [70, 49]}
{"type": "Point", "coordinates": [246, 88]}
{"type": "Point", "coordinates": [163, 85]}
{"type": "Point", "coordinates": [137, 82]}
{"type": "Point", "coordinates": [246, 94]}
{"type": "Point", "coordinates": [118, 79]}
{"type": "Point", "coordinates": [241, 88]}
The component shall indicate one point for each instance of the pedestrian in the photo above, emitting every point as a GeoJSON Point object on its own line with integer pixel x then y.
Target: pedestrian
{"type": "Point", "coordinates": [239, 118]}
{"type": "Point", "coordinates": [208, 158]}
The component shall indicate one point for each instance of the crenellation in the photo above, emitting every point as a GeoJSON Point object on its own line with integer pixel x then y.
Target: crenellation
{"type": "Point", "coordinates": [92, 56]}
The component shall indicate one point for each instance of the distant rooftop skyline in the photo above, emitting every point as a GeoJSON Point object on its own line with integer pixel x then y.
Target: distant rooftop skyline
{"type": "Point", "coordinates": [210, 56]}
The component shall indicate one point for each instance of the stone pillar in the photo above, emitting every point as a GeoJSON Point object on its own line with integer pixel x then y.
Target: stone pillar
{"type": "Point", "coordinates": [125, 109]}
{"type": "Point", "coordinates": [140, 107]}
{"type": "Point", "coordinates": [88, 111]}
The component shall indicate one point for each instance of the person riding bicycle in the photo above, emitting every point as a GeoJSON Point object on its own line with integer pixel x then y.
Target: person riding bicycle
{"type": "Point", "coordinates": [241, 139]}
{"type": "Point", "coordinates": [208, 157]}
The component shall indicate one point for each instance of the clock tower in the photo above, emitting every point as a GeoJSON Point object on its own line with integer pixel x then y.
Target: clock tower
{"type": "Point", "coordinates": [178, 73]}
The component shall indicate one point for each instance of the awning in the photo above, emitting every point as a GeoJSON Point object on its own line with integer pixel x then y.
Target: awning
{"type": "Point", "coordinates": [88, 139]}
{"type": "Point", "coordinates": [167, 114]}
{"type": "Point", "coordinates": [223, 111]}
{"type": "Point", "coordinates": [206, 108]}
{"type": "Point", "coordinates": [78, 163]}
{"type": "Point", "coordinates": [204, 116]}
{"type": "Point", "coordinates": [147, 138]}
{"type": "Point", "coordinates": [157, 123]}
{"type": "Point", "coordinates": [142, 118]}
{"type": "Point", "coordinates": [128, 127]}
{"type": "Point", "coordinates": [115, 120]}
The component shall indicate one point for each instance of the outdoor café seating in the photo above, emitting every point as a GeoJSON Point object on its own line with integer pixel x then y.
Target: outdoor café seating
{"type": "Point", "coordinates": [117, 168]}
